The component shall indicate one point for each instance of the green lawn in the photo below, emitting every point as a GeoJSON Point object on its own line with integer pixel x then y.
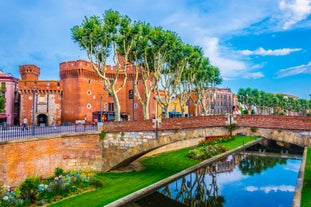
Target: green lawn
{"type": "Point", "coordinates": [117, 185]}
{"type": "Point", "coordinates": [306, 191]}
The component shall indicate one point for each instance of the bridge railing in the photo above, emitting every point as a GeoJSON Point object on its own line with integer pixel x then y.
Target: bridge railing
{"type": "Point", "coordinates": [9, 133]}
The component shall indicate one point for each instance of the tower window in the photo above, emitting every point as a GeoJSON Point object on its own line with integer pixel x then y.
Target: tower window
{"type": "Point", "coordinates": [131, 94]}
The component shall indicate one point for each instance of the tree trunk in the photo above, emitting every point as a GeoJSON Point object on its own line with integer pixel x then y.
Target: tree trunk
{"type": "Point", "coordinates": [146, 109]}
{"type": "Point", "coordinates": [117, 108]}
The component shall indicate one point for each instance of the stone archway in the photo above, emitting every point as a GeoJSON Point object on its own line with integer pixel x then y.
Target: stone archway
{"type": "Point", "coordinates": [42, 120]}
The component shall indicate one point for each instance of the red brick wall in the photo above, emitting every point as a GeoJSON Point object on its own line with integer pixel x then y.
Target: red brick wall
{"type": "Point", "coordinates": [260, 121]}
{"type": "Point", "coordinates": [50, 91]}
{"type": "Point", "coordinates": [20, 160]}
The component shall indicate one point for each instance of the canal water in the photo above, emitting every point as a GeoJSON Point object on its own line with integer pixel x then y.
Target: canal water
{"type": "Point", "coordinates": [262, 176]}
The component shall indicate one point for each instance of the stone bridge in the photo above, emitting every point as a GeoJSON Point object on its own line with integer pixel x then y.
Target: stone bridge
{"type": "Point", "coordinates": [126, 141]}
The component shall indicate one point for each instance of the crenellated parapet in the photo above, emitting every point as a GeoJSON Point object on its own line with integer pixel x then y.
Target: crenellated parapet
{"type": "Point", "coordinates": [41, 87]}
{"type": "Point", "coordinates": [84, 69]}
{"type": "Point", "coordinates": [81, 69]}
{"type": "Point", "coordinates": [29, 72]}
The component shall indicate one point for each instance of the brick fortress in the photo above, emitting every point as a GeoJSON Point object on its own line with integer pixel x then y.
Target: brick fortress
{"type": "Point", "coordinates": [77, 96]}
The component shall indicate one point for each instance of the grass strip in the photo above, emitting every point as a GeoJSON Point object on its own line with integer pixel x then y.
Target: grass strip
{"type": "Point", "coordinates": [306, 190]}
{"type": "Point", "coordinates": [158, 167]}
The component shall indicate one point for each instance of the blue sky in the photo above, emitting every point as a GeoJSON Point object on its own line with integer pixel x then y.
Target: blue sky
{"type": "Point", "coordinates": [259, 44]}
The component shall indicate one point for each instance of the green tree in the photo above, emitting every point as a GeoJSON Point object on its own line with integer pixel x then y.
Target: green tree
{"type": "Point", "coordinates": [185, 87]}
{"type": "Point", "coordinates": [2, 103]}
{"type": "Point", "coordinates": [111, 36]}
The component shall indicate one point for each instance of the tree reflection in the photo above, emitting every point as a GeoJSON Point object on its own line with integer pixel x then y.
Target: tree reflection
{"type": "Point", "coordinates": [197, 192]}
{"type": "Point", "coordinates": [252, 164]}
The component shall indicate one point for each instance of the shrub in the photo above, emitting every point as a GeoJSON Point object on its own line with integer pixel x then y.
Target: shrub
{"type": "Point", "coordinates": [204, 152]}
{"type": "Point", "coordinates": [58, 171]}
{"type": "Point", "coordinates": [34, 190]}
{"type": "Point", "coordinates": [211, 140]}
{"type": "Point", "coordinates": [232, 127]}
{"type": "Point", "coordinates": [102, 135]}
{"type": "Point", "coordinates": [28, 189]}
{"type": "Point", "coordinates": [96, 183]}
{"type": "Point", "coordinates": [254, 129]}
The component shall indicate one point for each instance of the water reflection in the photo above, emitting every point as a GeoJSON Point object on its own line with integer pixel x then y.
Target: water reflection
{"type": "Point", "coordinates": [242, 179]}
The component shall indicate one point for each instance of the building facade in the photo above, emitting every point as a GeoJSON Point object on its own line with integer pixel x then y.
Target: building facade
{"type": "Point", "coordinates": [9, 90]}
{"type": "Point", "coordinates": [221, 102]}
{"type": "Point", "coordinates": [78, 96]}
{"type": "Point", "coordinates": [40, 100]}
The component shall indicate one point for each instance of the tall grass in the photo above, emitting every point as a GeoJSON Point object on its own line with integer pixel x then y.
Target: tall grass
{"type": "Point", "coordinates": [306, 191]}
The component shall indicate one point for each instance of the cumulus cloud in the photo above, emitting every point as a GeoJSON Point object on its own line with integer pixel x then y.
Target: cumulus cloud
{"type": "Point", "coordinates": [263, 52]}
{"type": "Point", "coordinates": [228, 63]}
{"type": "Point", "coordinates": [268, 189]}
{"type": "Point", "coordinates": [300, 69]}
{"type": "Point", "coordinates": [294, 11]}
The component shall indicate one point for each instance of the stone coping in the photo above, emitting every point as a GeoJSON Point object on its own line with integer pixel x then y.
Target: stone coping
{"type": "Point", "coordinates": [299, 184]}
{"type": "Point", "coordinates": [151, 188]}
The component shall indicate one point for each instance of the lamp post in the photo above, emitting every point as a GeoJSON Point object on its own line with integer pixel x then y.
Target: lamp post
{"type": "Point", "coordinates": [133, 83]}
{"type": "Point", "coordinates": [230, 121]}
{"type": "Point", "coordinates": [34, 107]}
{"type": "Point", "coordinates": [100, 118]}
{"type": "Point", "coordinates": [214, 102]}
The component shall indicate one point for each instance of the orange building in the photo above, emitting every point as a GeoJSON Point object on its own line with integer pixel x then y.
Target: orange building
{"type": "Point", "coordinates": [77, 97]}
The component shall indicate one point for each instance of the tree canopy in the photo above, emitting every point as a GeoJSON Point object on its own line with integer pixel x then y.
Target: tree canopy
{"type": "Point", "coordinates": [156, 58]}
{"type": "Point", "coordinates": [268, 103]}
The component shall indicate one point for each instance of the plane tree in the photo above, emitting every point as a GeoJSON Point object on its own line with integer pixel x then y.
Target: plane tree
{"type": "Point", "coordinates": [150, 57]}
{"type": "Point", "coordinates": [2, 102]}
{"type": "Point", "coordinates": [200, 84]}
{"type": "Point", "coordinates": [185, 87]}
{"type": "Point", "coordinates": [169, 74]}
{"type": "Point", "coordinates": [104, 38]}
{"type": "Point", "coordinates": [213, 79]}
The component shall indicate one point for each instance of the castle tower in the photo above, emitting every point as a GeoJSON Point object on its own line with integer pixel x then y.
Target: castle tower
{"type": "Point", "coordinates": [29, 72]}
{"type": "Point", "coordinates": [40, 100]}
{"type": "Point", "coordinates": [83, 91]}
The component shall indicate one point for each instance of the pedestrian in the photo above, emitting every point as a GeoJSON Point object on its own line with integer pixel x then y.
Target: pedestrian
{"type": "Point", "coordinates": [53, 123]}
{"type": "Point", "coordinates": [24, 124]}
{"type": "Point", "coordinates": [236, 110]}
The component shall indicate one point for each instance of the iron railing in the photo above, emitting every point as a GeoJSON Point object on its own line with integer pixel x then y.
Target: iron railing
{"type": "Point", "coordinates": [8, 133]}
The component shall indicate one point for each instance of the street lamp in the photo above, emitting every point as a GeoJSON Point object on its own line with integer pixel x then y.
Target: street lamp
{"type": "Point", "coordinates": [34, 107]}
{"type": "Point", "coordinates": [214, 102]}
{"type": "Point", "coordinates": [100, 118]}
{"type": "Point", "coordinates": [230, 121]}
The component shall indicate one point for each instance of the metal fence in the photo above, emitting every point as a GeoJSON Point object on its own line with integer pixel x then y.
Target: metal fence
{"type": "Point", "coordinates": [8, 133]}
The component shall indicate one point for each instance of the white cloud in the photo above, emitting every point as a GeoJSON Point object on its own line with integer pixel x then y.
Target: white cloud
{"type": "Point", "coordinates": [300, 69]}
{"type": "Point", "coordinates": [228, 61]}
{"type": "Point", "coordinates": [268, 189]}
{"type": "Point", "coordinates": [254, 75]}
{"type": "Point", "coordinates": [263, 52]}
{"type": "Point", "coordinates": [294, 11]}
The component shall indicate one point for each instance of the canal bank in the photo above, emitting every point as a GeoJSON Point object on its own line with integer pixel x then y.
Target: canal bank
{"type": "Point", "coordinates": [299, 184]}
{"type": "Point", "coordinates": [151, 188]}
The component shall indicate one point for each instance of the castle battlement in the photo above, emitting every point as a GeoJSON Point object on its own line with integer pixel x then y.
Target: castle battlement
{"type": "Point", "coordinates": [29, 72]}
